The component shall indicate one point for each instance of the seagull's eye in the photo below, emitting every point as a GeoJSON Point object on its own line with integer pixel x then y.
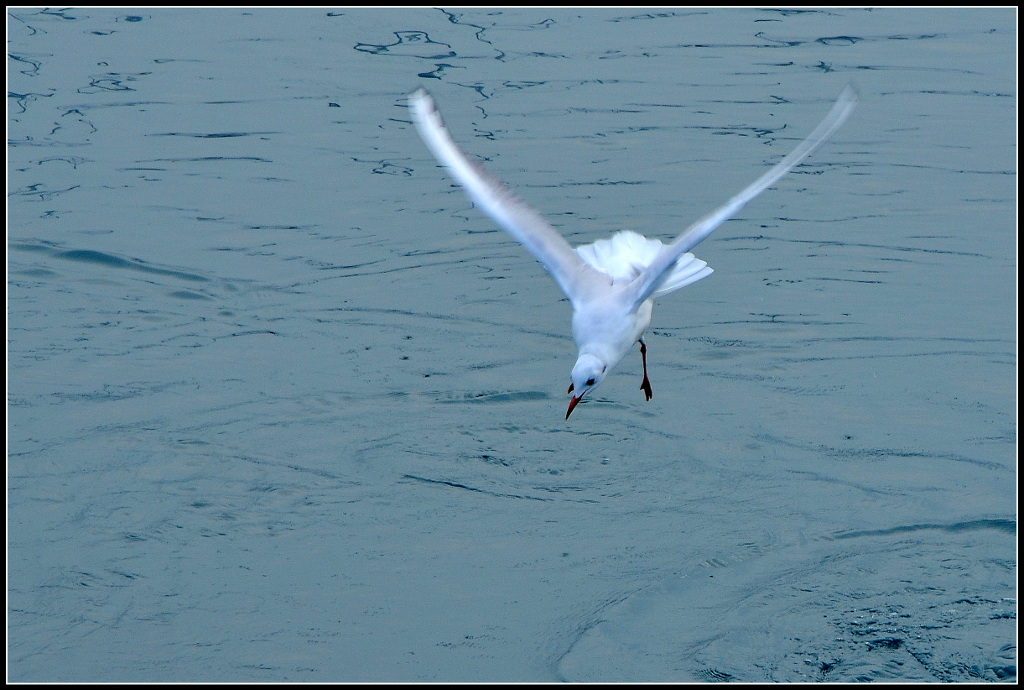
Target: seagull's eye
{"type": "Point", "coordinates": [590, 382]}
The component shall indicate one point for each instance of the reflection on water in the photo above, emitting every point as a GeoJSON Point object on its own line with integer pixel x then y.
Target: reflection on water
{"type": "Point", "coordinates": [283, 406]}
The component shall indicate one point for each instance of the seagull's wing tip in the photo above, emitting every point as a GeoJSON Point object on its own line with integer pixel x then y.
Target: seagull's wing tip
{"type": "Point", "coordinates": [419, 96]}
{"type": "Point", "coordinates": [848, 99]}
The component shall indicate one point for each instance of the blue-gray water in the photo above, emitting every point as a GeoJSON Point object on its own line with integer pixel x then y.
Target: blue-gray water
{"type": "Point", "coordinates": [284, 406]}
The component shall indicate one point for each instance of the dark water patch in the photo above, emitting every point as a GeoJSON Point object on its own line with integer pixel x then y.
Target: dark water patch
{"type": "Point", "coordinates": [73, 161]}
{"type": "Point", "coordinates": [124, 392]}
{"type": "Point", "coordinates": [244, 333]}
{"type": "Point", "coordinates": [859, 486]}
{"type": "Point", "coordinates": [210, 159]}
{"type": "Point", "coordinates": [429, 316]}
{"type": "Point", "coordinates": [94, 257]}
{"type": "Point", "coordinates": [880, 453]}
{"type": "Point", "coordinates": [458, 485]}
{"type": "Point", "coordinates": [668, 14]}
{"type": "Point", "coordinates": [188, 295]}
{"type": "Point", "coordinates": [112, 261]}
{"type": "Point", "coordinates": [91, 256]}
{"type": "Point", "coordinates": [35, 272]}
{"type": "Point", "coordinates": [712, 675]}
{"type": "Point", "coordinates": [279, 228]}
{"type": "Point", "coordinates": [839, 40]}
{"type": "Point", "coordinates": [840, 243]}
{"type": "Point", "coordinates": [598, 183]}
{"type": "Point", "coordinates": [410, 44]}
{"type": "Point", "coordinates": [31, 69]}
{"type": "Point", "coordinates": [44, 193]}
{"type": "Point", "coordinates": [1004, 525]}
{"type": "Point", "coordinates": [847, 280]}
{"type": "Point", "coordinates": [994, 356]}
{"type": "Point", "coordinates": [212, 135]}
{"type": "Point", "coordinates": [499, 398]}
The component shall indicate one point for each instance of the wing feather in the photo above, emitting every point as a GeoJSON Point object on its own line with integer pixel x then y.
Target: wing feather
{"type": "Point", "coordinates": [571, 273]}
{"type": "Point", "coordinates": [649, 281]}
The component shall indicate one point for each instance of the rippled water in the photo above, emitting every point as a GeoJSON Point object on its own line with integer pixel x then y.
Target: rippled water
{"type": "Point", "coordinates": [284, 406]}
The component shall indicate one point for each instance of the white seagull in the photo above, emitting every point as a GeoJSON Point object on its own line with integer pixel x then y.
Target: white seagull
{"type": "Point", "coordinates": [611, 283]}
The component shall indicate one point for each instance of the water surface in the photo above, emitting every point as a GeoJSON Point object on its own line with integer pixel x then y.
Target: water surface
{"type": "Point", "coordinates": [284, 407]}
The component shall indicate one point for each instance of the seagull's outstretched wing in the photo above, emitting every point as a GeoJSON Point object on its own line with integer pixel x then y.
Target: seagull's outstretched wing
{"type": "Point", "coordinates": [647, 282]}
{"type": "Point", "coordinates": [569, 270]}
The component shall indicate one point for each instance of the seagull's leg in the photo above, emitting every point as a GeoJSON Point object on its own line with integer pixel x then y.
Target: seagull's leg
{"type": "Point", "coordinates": [646, 385]}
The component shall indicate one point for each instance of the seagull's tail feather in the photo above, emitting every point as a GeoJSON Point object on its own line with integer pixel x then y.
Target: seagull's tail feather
{"type": "Point", "coordinates": [687, 270]}
{"type": "Point", "coordinates": [626, 254]}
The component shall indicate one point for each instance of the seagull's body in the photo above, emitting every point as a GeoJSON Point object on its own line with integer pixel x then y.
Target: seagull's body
{"type": "Point", "coordinates": [611, 283]}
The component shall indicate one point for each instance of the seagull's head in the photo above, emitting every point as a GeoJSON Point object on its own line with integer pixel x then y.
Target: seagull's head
{"type": "Point", "coordinates": [588, 374]}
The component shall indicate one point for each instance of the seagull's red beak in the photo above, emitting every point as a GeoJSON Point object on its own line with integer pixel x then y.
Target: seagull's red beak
{"type": "Point", "coordinates": [572, 405]}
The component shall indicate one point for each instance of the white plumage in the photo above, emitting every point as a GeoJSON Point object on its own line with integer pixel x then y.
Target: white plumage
{"type": "Point", "coordinates": [626, 254]}
{"type": "Point", "coordinates": [611, 283]}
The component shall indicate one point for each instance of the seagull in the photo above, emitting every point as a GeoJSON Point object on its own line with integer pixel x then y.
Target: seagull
{"type": "Point", "coordinates": [611, 283]}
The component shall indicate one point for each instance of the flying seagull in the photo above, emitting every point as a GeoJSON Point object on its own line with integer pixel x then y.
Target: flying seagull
{"type": "Point", "coordinates": [611, 283]}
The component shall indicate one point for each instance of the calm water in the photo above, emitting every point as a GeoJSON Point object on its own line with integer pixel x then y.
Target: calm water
{"type": "Point", "coordinates": [284, 406]}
